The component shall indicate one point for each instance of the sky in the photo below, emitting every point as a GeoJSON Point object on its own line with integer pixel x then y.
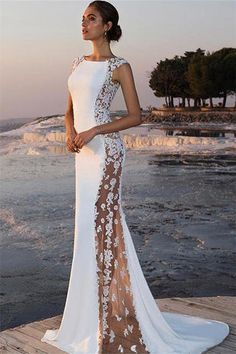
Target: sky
{"type": "Point", "coordinates": [40, 39]}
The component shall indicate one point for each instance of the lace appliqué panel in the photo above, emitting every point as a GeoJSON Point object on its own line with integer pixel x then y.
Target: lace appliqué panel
{"type": "Point", "coordinates": [75, 62]}
{"type": "Point", "coordinates": [118, 325]}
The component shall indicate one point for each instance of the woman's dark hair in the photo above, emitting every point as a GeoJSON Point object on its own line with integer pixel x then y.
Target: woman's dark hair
{"type": "Point", "coordinates": [109, 13]}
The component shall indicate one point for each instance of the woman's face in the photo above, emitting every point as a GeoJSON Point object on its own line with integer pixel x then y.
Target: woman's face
{"type": "Point", "coordinates": [92, 25]}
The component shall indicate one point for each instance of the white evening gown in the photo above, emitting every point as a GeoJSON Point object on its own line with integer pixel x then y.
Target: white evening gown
{"type": "Point", "coordinates": [109, 307]}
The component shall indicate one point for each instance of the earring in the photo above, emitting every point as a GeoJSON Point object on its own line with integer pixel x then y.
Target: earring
{"type": "Point", "coordinates": [105, 33]}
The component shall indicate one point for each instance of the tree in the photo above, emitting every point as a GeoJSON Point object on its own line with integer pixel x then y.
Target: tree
{"type": "Point", "coordinates": [195, 75]}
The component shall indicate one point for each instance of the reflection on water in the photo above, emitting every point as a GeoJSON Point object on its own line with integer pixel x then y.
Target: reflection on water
{"type": "Point", "coordinates": [214, 133]}
{"type": "Point", "coordinates": [57, 149]}
{"type": "Point", "coordinates": [195, 160]}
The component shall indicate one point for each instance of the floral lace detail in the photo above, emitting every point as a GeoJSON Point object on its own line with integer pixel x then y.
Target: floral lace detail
{"type": "Point", "coordinates": [107, 92]}
{"type": "Point", "coordinates": [119, 330]}
{"type": "Point", "coordinates": [75, 63]}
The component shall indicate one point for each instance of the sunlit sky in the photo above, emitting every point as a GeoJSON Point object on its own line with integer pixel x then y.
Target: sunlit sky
{"type": "Point", "coordinates": [40, 39]}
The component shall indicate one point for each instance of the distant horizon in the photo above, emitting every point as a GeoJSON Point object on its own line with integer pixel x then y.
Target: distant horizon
{"type": "Point", "coordinates": [37, 59]}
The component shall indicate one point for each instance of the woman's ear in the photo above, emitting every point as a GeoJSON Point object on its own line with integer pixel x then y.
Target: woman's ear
{"type": "Point", "coordinates": [110, 24]}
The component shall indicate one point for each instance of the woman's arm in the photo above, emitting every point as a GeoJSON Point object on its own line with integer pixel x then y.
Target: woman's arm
{"type": "Point", "coordinates": [126, 79]}
{"type": "Point", "coordinates": [69, 116]}
{"type": "Point", "coordinates": [69, 124]}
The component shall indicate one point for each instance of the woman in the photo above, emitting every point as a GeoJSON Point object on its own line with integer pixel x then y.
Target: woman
{"type": "Point", "coordinates": [109, 307]}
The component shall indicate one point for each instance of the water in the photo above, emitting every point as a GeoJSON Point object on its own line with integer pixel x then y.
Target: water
{"type": "Point", "coordinates": [179, 206]}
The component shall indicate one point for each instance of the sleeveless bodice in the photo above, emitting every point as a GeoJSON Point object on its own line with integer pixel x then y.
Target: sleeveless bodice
{"type": "Point", "coordinates": [92, 90]}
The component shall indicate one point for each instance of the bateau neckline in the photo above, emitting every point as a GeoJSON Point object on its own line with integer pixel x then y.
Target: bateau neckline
{"type": "Point", "coordinates": [98, 61]}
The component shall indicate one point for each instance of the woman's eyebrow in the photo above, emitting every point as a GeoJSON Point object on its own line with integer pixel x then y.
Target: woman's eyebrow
{"type": "Point", "coordinates": [90, 14]}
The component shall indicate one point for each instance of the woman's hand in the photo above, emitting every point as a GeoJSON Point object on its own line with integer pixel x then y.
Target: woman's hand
{"type": "Point", "coordinates": [84, 137]}
{"type": "Point", "coordinates": [71, 146]}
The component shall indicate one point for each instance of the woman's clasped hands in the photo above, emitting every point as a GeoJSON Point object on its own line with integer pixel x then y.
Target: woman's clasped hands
{"type": "Point", "coordinates": [75, 141]}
